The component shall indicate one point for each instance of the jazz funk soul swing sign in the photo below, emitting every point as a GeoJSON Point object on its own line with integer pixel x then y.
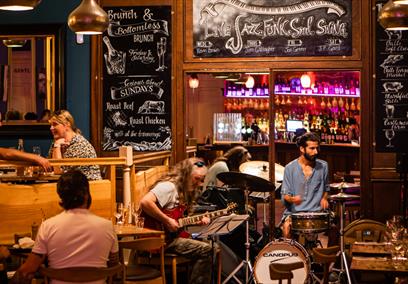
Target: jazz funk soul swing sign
{"type": "Point", "coordinates": [137, 78]}
{"type": "Point", "coordinates": [242, 28]}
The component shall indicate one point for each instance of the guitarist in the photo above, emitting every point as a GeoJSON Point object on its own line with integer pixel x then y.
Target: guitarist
{"type": "Point", "coordinates": [175, 189]}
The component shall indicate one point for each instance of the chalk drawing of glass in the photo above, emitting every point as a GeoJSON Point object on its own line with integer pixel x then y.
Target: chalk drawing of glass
{"type": "Point", "coordinates": [389, 111]}
{"type": "Point", "coordinates": [115, 60]}
{"type": "Point", "coordinates": [161, 50]}
{"type": "Point", "coordinates": [389, 134]}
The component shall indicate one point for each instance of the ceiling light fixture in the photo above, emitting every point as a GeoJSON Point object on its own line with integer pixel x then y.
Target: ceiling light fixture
{"type": "Point", "coordinates": [16, 42]}
{"type": "Point", "coordinates": [394, 16]}
{"type": "Point", "coordinates": [18, 5]}
{"type": "Point", "coordinates": [305, 81]}
{"type": "Point", "coordinates": [233, 77]}
{"type": "Point", "coordinates": [88, 18]}
{"type": "Point", "coordinates": [401, 2]}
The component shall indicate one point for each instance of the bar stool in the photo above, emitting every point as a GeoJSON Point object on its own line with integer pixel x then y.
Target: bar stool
{"type": "Point", "coordinates": [283, 271]}
{"type": "Point", "coordinates": [325, 257]}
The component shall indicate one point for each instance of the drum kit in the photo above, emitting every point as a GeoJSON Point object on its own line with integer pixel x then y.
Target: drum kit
{"type": "Point", "coordinates": [254, 177]}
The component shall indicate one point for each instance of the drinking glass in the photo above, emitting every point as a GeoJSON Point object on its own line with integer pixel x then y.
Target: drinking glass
{"type": "Point", "coordinates": [119, 213]}
{"type": "Point", "coordinates": [140, 222]}
{"type": "Point", "coordinates": [135, 211]}
{"type": "Point", "coordinates": [37, 150]}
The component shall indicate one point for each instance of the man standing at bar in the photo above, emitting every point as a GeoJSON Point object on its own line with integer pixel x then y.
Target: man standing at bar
{"type": "Point", "coordinates": [305, 184]}
{"type": "Point", "coordinates": [171, 193]}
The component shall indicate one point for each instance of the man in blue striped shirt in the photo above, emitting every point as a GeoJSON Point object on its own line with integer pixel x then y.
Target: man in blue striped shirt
{"type": "Point", "coordinates": [305, 184]}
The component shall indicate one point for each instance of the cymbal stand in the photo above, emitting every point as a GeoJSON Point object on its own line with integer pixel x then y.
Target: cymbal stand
{"type": "Point", "coordinates": [246, 262]}
{"type": "Point", "coordinates": [343, 261]}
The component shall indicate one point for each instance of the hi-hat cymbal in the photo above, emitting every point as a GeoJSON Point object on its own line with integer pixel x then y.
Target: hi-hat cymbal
{"type": "Point", "coordinates": [241, 180]}
{"type": "Point", "coordinates": [344, 196]}
{"type": "Point", "coordinates": [344, 185]}
{"type": "Point", "coordinates": [261, 169]}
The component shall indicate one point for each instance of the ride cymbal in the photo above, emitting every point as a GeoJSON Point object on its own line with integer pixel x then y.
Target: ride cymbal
{"type": "Point", "coordinates": [246, 181]}
{"type": "Point", "coordinates": [261, 169]}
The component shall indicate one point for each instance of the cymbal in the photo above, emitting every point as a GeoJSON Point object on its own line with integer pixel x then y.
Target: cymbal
{"type": "Point", "coordinates": [344, 196]}
{"type": "Point", "coordinates": [261, 169]}
{"type": "Point", "coordinates": [344, 185]}
{"type": "Point", "coordinates": [242, 180]}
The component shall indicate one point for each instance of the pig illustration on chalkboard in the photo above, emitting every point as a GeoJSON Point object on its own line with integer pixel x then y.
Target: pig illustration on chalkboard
{"type": "Point", "coordinates": [394, 34]}
{"type": "Point", "coordinates": [392, 86]}
{"type": "Point", "coordinates": [152, 107]}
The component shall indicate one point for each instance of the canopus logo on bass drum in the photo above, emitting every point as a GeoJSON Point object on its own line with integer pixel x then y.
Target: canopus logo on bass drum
{"type": "Point", "coordinates": [280, 254]}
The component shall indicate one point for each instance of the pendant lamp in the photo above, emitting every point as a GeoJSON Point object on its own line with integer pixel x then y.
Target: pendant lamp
{"type": "Point", "coordinates": [88, 18]}
{"type": "Point", "coordinates": [393, 16]}
{"type": "Point", "coordinates": [18, 5]}
{"type": "Point", "coordinates": [17, 42]}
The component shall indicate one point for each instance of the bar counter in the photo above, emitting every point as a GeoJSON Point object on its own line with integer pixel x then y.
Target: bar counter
{"type": "Point", "coordinates": [341, 157]}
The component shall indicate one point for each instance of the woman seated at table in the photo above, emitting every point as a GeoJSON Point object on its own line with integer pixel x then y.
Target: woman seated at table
{"type": "Point", "coordinates": [69, 143]}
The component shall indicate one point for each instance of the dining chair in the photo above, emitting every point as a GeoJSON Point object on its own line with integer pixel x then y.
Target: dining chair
{"type": "Point", "coordinates": [80, 274]}
{"type": "Point", "coordinates": [136, 272]}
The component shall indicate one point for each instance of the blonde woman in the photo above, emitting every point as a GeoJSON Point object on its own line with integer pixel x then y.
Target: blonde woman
{"type": "Point", "coordinates": [69, 143]}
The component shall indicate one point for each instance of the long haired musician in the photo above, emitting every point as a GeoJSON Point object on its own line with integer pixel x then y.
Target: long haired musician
{"type": "Point", "coordinates": [171, 193]}
{"type": "Point", "coordinates": [305, 184]}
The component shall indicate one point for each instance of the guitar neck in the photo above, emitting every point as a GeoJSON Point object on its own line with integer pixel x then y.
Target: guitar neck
{"type": "Point", "coordinates": [197, 218]}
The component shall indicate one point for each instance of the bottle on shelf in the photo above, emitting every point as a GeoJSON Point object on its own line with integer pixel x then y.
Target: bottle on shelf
{"type": "Point", "coordinates": [20, 145]}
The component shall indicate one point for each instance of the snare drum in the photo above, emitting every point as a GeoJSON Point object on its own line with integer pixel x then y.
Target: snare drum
{"type": "Point", "coordinates": [283, 251]}
{"type": "Point", "coordinates": [311, 222]}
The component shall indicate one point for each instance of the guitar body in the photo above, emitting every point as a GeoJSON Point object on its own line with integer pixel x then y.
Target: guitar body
{"type": "Point", "coordinates": [176, 214]}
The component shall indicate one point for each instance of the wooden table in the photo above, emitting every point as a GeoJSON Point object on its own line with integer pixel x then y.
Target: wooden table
{"type": "Point", "coordinates": [375, 257]}
{"type": "Point", "coordinates": [133, 231]}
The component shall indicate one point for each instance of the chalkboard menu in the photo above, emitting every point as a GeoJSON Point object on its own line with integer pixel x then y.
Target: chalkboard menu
{"type": "Point", "coordinates": [391, 96]}
{"type": "Point", "coordinates": [137, 78]}
{"type": "Point", "coordinates": [247, 28]}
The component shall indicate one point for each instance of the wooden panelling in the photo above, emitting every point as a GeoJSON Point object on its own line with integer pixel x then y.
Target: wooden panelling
{"type": "Point", "coordinates": [21, 205]}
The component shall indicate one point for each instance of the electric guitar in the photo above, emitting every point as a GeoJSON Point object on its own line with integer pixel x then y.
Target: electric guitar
{"type": "Point", "coordinates": [178, 215]}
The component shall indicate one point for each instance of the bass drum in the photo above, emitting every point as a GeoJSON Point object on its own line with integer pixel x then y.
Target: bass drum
{"type": "Point", "coordinates": [285, 252]}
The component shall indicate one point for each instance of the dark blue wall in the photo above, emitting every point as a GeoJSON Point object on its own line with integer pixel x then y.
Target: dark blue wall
{"type": "Point", "coordinates": [77, 60]}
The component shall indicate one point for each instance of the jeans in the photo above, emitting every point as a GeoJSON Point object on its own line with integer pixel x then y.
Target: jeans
{"type": "Point", "coordinates": [199, 252]}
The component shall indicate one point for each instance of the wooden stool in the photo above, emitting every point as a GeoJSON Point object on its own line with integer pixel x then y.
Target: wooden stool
{"type": "Point", "coordinates": [283, 271]}
{"type": "Point", "coordinates": [326, 257]}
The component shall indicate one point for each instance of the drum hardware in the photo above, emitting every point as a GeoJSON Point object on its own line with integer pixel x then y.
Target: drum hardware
{"type": "Point", "coordinates": [246, 182]}
{"type": "Point", "coordinates": [342, 197]}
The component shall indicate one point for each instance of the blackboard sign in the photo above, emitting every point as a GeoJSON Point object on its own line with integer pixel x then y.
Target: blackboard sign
{"type": "Point", "coordinates": [245, 28]}
{"type": "Point", "coordinates": [137, 79]}
{"type": "Point", "coordinates": [391, 96]}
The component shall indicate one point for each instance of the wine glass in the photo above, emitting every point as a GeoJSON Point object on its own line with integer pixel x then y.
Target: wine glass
{"type": "Point", "coordinates": [389, 134]}
{"type": "Point", "coordinates": [119, 213]}
{"type": "Point", "coordinates": [135, 211]}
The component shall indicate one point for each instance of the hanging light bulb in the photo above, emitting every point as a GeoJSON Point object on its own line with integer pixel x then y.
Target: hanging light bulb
{"type": "Point", "coordinates": [18, 5]}
{"type": "Point", "coordinates": [193, 81]}
{"type": "Point", "coordinates": [88, 18]}
{"type": "Point", "coordinates": [394, 16]}
{"type": "Point", "coordinates": [305, 81]}
{"type": "Point", "coordinates": [250, 82]}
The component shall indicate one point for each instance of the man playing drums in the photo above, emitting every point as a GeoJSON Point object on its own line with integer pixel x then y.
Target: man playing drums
{"type": "Point", "coordinates": [305, 184]}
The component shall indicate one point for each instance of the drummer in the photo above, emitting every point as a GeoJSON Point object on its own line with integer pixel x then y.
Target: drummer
{"type": "Point", "coordinates": [230, 161]}
{"type": "Point", "coordinates": [305, 184]}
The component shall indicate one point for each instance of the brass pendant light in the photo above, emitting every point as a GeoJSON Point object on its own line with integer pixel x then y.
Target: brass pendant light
{"type": "Point", "coordinates": [394, 16]}
{"type": "Point", "coordinates": [14, 42]}
{"type": "Point", "coordinates": [88, 18]}
{"type": "Point", "coordinates": [18, 5]}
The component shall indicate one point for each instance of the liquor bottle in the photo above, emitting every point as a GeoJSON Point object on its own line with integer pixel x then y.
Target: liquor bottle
{"type": "Point", "coordinates": [352, 88]}
{"type": "Point", "coordinates": [353, 105]}
{"type": "Point", "coordinates": [357, 88]}
{"type": "Point", "coordinates": [341, 102]}
{"type": "Point", "coordinates": [323, 104]}
{"type": "Point", "coordinates": [20, 146]}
